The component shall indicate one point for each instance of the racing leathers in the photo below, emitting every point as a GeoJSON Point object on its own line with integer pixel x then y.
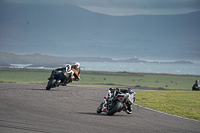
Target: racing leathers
{"type": "Point", "coordinates": [196, 86]}
{"type": "Point", "coordinates": [76, 72]}
{"type": "Point", "coordinates": [66, 74]}
{"type": "Point", "coordinates": [114, 91]}
{"type": "Point", "coordinates": [69, 73]}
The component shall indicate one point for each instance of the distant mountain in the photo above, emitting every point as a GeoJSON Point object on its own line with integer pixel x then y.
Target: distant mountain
{"type": "Point", "coordinates": [44, 61]}
{"type": "Point", "coordinates": [68, 30]}
{"type": "Point", "coordinates": [35, 60]}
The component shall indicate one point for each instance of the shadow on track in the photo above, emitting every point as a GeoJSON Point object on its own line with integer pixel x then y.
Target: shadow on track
{"type": "Point", "coordinates": [88, 113]}
{"type": "Point", "coordinates": [102, 114]}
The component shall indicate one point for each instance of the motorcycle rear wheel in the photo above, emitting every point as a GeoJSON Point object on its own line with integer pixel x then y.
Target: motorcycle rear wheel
{"type": "Point", "coordinates": [114, 109]}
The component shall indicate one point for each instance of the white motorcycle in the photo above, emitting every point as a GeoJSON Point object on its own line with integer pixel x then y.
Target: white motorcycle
{"type": "Point", "coordinates": [117, 101]}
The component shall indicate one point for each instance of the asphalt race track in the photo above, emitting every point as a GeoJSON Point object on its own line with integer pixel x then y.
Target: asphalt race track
{"type": "Point", "coordinates": [32, 109]}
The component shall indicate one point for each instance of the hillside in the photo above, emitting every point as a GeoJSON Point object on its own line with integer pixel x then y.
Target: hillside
{"type": "Point", "coordinates": [36, 60]}
{"type": "Point", "coordinates": [67, 30]}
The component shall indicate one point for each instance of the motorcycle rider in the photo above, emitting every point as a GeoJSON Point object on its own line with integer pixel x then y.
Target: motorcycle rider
{"type": "Point", "coordinates": [69, 73]}
{"type": "Point", "coordinates": [196, 85]}
{"type": "Point", "coordinates": [114, 91]}
{"type": "Point", "coordinates": [76, 72]}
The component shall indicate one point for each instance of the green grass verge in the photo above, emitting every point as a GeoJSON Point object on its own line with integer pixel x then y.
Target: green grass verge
{"type": "Point", "coordinates": [144, 80]}
{"type": "Point", "coordinates": [181, 103]}
{"type": "Point", "coordinates": [104, 79]}
{"type": "Point", "coordinates": [23, 76]}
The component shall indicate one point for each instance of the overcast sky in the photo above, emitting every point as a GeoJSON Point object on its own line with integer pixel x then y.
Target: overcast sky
{"type": "Point", "coordinates": [127, 7]}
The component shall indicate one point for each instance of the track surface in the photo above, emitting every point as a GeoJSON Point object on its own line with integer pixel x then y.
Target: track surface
{"type": "Point", "coordinates": [31, 108]}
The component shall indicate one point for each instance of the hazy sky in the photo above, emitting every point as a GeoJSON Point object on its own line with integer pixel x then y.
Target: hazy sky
{"type": "Point", "coordinates": [127, 7]}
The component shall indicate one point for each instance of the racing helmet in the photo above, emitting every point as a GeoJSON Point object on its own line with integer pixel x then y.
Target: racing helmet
{"type": "Point", "coordinates": [77, 64]}
{"type": "Point", "coordinates": [68, 67]}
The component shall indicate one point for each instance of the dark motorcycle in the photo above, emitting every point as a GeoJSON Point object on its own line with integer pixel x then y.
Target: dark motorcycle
{"type": "Point", "coordinates": [117, 103]}
{"type": "Point", "coordinates": [196, 86]}
{"type": "Point", "coordinates": [57, 80]}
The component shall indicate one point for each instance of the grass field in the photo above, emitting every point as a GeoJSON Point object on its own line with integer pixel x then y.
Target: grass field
{"type": "Point", "coordinates": [104, 79]}
{"type": "Point", "coordinates": [159, 81]}
{"type": "Point", "coordinates": [181, 103]}
{"type": "Point", "coordinates": [23, 76]}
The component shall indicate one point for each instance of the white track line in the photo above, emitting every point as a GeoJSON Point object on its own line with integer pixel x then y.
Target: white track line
{"type": "Point", "coordinates": [165, 113]}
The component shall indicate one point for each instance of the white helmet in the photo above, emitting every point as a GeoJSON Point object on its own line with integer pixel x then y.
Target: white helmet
{"type": "Point", "coordinates": [77, 64]}
{"type": "Point", "coordinates": [68, 67]}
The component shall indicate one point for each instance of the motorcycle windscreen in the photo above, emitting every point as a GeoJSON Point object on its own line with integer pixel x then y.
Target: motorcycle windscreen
{"type": "Point", "coordinates": [58, 76]}
{"type": "Point", "coordinates": [131, 96]}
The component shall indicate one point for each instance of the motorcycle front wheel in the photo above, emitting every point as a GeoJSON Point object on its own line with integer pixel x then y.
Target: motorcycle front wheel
{"type": "Point", "coordinates": [114, 109]}
{"type": "Point", "coordinates": [99, 108]}
{"type": "Point", "coordinates": [50, 84]}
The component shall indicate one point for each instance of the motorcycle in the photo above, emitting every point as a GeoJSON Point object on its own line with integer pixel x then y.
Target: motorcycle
{"type": "Point", "coordinates": [57, 80]}
{"type": "Point", "coordinates": [196, 86]}
{"type": "Point", "coordinates": [117, 103]}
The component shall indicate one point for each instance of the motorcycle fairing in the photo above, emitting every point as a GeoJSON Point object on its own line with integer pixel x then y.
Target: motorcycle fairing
{"type": "Point", "coordinates": [58, 76]}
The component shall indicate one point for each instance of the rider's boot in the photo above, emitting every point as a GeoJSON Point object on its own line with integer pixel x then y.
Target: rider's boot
{"type": "Point", "coordinates": [129, 109]}
{"type": "Point", "coordinates": [64, 83]}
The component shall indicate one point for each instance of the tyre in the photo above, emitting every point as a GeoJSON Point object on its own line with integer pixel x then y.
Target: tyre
{"type": "Point", "coordinates": [50, 84]}
{"type": "Point", "coordinates": [114, 109]}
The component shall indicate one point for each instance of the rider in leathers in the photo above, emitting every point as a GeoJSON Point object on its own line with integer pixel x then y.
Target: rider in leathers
{"type": "Point", "coordinates": [114, 92]}
{"type": "Point", "coordinates": [196, 85]}
{"type": "Point", "coordinates": [69, 73]}
{"type": "Point", "coordinates": [76, 72]}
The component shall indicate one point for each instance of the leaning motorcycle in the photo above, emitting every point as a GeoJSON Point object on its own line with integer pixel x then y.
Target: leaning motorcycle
{"type": "Point", "coordinates": [117, 103]}
{"type": "Point", "coordinates": [195, 87]}
{"type": "Point", "coordinates": [56, 80]}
